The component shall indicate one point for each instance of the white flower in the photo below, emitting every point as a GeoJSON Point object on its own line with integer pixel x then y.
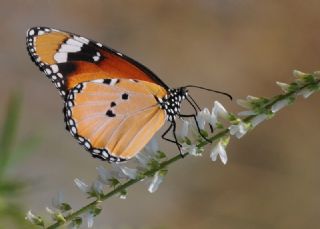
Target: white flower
{"type": "Point", "coordinates": [247, 113]}
{"type": "Point", "coordinates": [148, 152]}
{"type": "Point", "coordinates": [183, 130]}
{"type": "Point", "coordinates": [34, 219]}
{"type": "Point", "coordinates": [284, 87]}
{"type": "Point", "coordinates": [31, 217]}
{"type": "Point", "coordinates": [191, 149]}
{"type": "Point", "coordinates": [202, 117]}
{"type": "Point", "coordinates": [247, 102]}
{"type": "Point", "coordinates": [143, 159]}
{"type": "Point", "coordinates": [152, 147]}
{"type": "Point", "coordinates": [104, 175]}
{"type": "Point", "coordinates": [220, 149]}
{"type": "Point", "coordinates": [306, 92]}
{"type": "Point", "coordinates": [56, 215]}
{"type": "Point", "coordinates": [74, 225]}
{"type": "Point", "coordinates": [258, 119]}
{"type": "Point", "coordinates": [81, 185]}
{"type": "Point", "coordinates": [57, 200]}
{"type": "Point", "coordinates": [218, 111]}
{"type": "Point", "coordinates": [90, 219]}
{"type": "Point", "coordinates": [239, 130]}
{"type": "Point", "coordinates": [193, 129]}
{"type": "Point", "coordinates": [155, 183]}
{"type": "Point", "coordinates": [116, 171]}
{"type": "Point", "coordinates": [298, 74]}
{"type": "Point", "coordinates": [123, 196]}
{"type": "Point", "coordinates": [279, 105]}
{"type": "Point", "coordinates": [129, 172]}
{"type": "Point", "coordinates": [50, 211]}
{"type": "Point", "coordinates": [97, 187]}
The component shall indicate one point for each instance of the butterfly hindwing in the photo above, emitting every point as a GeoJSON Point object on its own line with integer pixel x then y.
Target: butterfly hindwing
{"type": "Point", "coordinates": [114, 118]}
{"type": "Point", "coordinates": [69, 59]}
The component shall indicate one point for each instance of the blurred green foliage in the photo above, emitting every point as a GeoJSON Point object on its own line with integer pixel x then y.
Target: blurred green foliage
{"type": "Point", "coordinates": [12, 214]}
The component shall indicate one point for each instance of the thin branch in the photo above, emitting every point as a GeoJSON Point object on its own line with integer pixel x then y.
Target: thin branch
{"type": "Point", "coordinates": [170, 161]}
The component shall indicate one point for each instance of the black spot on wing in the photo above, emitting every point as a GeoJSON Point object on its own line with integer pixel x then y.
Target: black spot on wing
{"type": "Point", "coordinates": [110, 113]}
{"type": "Point", "coordinates": [125, 96]}
{"type": "Point", "coordinates": [79, 56]}
{"type": "Point", "coordinates": [107, 81]}
{"type": "Point", "coordinates": [67, 68]}
{"type": "Point", "coordinates": [113, 104]}
{"type": "Point", "coordinates": [89, 52]}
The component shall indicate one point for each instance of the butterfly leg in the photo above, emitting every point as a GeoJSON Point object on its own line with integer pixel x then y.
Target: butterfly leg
{"type": "Point", "coordinates": [175, 141]}
{"type": "Point", "coordinates": [197, 124]}
{"type": "Point", "coordinates": [175, 137]}
{"type": "Point", "coordinates": [211, 128]}
{"type": "Point", "coordinates": [168, 139]}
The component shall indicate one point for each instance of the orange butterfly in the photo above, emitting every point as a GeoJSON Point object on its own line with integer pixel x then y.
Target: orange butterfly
{"type": "Point", "coordinates": [113, 105]}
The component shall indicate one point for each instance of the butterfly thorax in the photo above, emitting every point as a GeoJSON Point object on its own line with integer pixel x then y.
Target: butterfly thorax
{"type": "Point", "coordinates": [172, 101]}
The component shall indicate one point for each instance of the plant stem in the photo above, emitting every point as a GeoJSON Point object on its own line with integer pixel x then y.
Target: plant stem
{"type": "Point", "coordinates": [114, 191]}
{"type": "Point", "coordinates": [164, 164]}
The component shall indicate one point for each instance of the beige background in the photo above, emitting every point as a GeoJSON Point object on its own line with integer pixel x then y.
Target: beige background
{"type": "Point", "coordinates": [242, 47]}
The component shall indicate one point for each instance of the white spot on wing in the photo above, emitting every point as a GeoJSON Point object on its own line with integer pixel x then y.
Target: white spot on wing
{"type": "Point", "coordinates": [104, 153]}
{"type": "Point", "coordinates": [87, 145]}
{"type": "Point", "coordinates": [48, 71]}
{"type": "Point", "coordinates": [96, 58]}
{"type": "Point", "coordinates": [97, 81]}
{"type": "Point", "coordinates": [69, 48]}
{"type": "Point", "coordinates": [31, 32]}
{"type": "Point", "coordinates": [81, 39]}
{"type": "Point", "coordinates": [54, 68]}
{"type": "Point", "coordinates": [74, 42]}
{"type": "Point", "coordinates": [73, 130]}
{"type": "Point", "coordinates": [113, 82]}
{"type": "Point", "coordinates": [61, 57]}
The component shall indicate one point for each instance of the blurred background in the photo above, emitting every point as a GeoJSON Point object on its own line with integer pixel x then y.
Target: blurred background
{"type": "Point", "coordinates": [241, 47]}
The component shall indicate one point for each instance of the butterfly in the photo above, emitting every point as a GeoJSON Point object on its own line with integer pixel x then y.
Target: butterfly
{"type": "Point", "coordinates": [113, 105]}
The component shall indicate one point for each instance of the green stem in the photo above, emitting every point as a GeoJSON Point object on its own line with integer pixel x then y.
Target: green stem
{"type": "Point", "coordinates": [8, 132]}
{"type": "Point", "coordinates": [119, 189]}
{"type": "Point", "coordinates": [164, 164]}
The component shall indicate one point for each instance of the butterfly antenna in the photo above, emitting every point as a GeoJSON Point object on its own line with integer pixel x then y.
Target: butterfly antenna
{"type": "Point", "coordinates": [194, 103]}
{"type": "Point", "coordinates": [195, 106]}
{"type": "Point", "coordinates": [207, 89]}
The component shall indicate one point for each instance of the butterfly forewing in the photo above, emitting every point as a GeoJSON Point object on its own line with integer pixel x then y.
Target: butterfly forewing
{"type": "Point", "coordinates": [114, 118]}
{"type": "Point", "coordinates": [69, 59]}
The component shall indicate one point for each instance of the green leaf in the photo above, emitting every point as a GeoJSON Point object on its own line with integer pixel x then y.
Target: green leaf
{"type": "Point", "coordinates": [9, 128]}
{"type": "Point", "coordinates": [64, 207]}
{"type": "Point", "coordinates": [114, 182]}
{"type": "Point", "coordinates": [27, 146]}
{"type": "Point", "coordinates": [76, 222]}
{"type": "Point", "coordinates": [161, 155]}
{"type": "Point", "coordinates": [97, 209]}
{"type": "Point", "coordinates": [188, 141]}
{"type": "Point", "coordinates": [10, 188]}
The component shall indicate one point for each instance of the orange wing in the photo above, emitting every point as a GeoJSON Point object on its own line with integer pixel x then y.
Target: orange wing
{"type": "Point", "coordinates": [68, 59]}
{"type": "Point", "coordinates": [114, 118]}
